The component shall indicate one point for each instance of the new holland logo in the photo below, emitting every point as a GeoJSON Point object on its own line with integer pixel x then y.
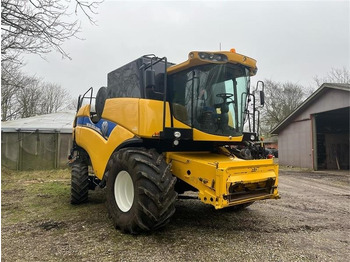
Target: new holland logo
{"type": "Point", "coordinates": [104, 128]}
{"type": "Point", "coordinates": [254, 169]}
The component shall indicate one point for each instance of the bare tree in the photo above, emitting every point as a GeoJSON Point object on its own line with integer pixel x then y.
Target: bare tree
{"type": "Point", "coordinates": [24, 96]}
{"type": "Point", "coordinates": [72, 104]}
{"type": "Point", "coordinates": [12, 80]}
{"type": "Point", "coordinates": [280, 100]}
{"type": "Point", "coordinates": [28, 98]}
{"type": "Point", "coordinates": [36, 27]}
{"type": "Point", "coordinates": [336, 75]}
{"type": "Point", "coordinates": [39, 26]}
{"type": "Point", "coordinates": [53, 98]}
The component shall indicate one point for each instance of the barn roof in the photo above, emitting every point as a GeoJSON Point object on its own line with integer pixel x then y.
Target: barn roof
{"type": "Point", "coordinates": [61, 122]}
{"type": "Point", "coordinates": [319, 92]}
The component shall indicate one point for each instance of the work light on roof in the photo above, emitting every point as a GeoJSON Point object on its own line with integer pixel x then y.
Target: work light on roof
{"type": "Point", "coordinates": [212, 57]}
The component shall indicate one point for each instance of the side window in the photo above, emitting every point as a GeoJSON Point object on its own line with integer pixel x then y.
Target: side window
{"type": "Point", "coordinates": [181, 96]}
{"type": "Point", "coordinates": [241, 99]}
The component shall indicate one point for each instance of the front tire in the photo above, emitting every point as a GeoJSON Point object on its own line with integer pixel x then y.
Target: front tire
{"type": "Point", "coordinates": [140, 190]}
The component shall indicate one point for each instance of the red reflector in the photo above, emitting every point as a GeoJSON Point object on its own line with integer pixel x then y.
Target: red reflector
{"type": "Point", "coordinates": [269, 156]}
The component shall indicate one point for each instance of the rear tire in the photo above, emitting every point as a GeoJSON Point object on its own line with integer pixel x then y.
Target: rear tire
{"type": "Point", "coordinates": [79, 183]}
{"type": "Point", "coordinates": [140, 190]}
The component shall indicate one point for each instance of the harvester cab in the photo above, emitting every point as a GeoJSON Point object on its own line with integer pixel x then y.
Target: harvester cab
{"type": "Point", "coordinates": [159, 129]}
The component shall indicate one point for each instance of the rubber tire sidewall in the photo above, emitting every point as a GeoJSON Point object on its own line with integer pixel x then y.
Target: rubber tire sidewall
{"type": "Point", "coordinates": [121, 219]}
{"type": "Point", "coordinates": [154, 193]}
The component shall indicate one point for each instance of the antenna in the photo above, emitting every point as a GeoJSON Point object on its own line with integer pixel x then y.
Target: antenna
{"type": "Point", "coordinates": [220, 46]}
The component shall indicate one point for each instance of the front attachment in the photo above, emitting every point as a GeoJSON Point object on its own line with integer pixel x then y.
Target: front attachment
{"type": "Point", "coordinates": [224, 180]}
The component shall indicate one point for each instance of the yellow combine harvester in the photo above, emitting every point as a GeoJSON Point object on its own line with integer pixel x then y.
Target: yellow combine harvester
{"type": "Point", "coordinates": [159, 129]}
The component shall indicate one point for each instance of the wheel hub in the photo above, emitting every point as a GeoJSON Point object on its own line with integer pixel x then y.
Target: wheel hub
{"type": "Point", "coordinates": [124, 191]}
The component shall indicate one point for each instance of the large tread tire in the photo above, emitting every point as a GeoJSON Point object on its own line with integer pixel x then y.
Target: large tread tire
{"type": "Point", "coordinates": [79, 183]}
{"type": "Point", "coordinates": [153, 199]}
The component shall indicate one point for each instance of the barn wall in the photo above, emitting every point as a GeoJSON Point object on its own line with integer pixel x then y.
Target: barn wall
{"type": "Point", "coordinates": [295, 145]}
{"type": "Point", "coordinates": [295, 140]}
{"type": "Point", "coordinates": [331, 99]}
{"type": "Point", "coordinates": [35, 150]}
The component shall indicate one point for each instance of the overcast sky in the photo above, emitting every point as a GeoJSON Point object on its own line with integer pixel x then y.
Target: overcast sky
{"type": "Point", "coordinates": [291, 40]}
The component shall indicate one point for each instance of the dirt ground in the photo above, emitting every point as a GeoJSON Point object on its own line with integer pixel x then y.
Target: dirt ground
{"type": "Point", "coordinates": [310, 222]}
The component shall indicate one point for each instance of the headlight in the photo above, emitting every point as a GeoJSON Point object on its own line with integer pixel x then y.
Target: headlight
{"type": "Point", "coordinates": [177, 134]}
{"type": "Point", "coordinates": [213, 57]}
{"type": "Point", "coordinates": [203, 56]}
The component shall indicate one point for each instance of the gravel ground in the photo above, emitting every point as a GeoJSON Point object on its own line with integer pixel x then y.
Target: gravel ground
{"type": "Point", "coordinates": [309, 223]}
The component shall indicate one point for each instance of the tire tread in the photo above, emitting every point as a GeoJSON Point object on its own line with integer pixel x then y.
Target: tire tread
{"type": "Point", "coordinates": [155, 190]}
{"type": "Point", "coordinates": [79, 183]}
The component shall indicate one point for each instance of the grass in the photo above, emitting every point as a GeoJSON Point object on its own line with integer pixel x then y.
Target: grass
{"type": "Point", "coordinates": [38, 222]}
{"type": "Point", "coordinates": [39, 195]}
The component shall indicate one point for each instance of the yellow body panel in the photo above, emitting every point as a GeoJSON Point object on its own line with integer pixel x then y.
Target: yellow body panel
{"type": "Point", "coordinates": [180, 124]}
{"type": "Point", "coordinates": [143, 117]}
{"type": "Point", "coordinates": [202, 136]}
{"type": "Point", "coordinates": [213, 174]}
{"type": "Point", "coordinates": [124, 112]}
{"type": "Point", "coordinates": [151, 117]}
{"type": "Point", "coordinates": [98, 148]}
{"type": "Point", "coordinates": [84, 111]}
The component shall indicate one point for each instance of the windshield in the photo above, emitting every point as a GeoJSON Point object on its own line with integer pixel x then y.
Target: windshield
{"type": "Point", "coordinates": [211, 98]}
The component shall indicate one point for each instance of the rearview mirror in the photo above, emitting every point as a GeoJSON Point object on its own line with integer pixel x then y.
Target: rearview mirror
{"type": "Point", "coordinates": [150, 78]}
{"type": "Point", "coordinates": [159, 86]}
{"type": "Point", "coordinates": [262, 98]}
{"type": "Point", "coordinates": [260, 86]}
